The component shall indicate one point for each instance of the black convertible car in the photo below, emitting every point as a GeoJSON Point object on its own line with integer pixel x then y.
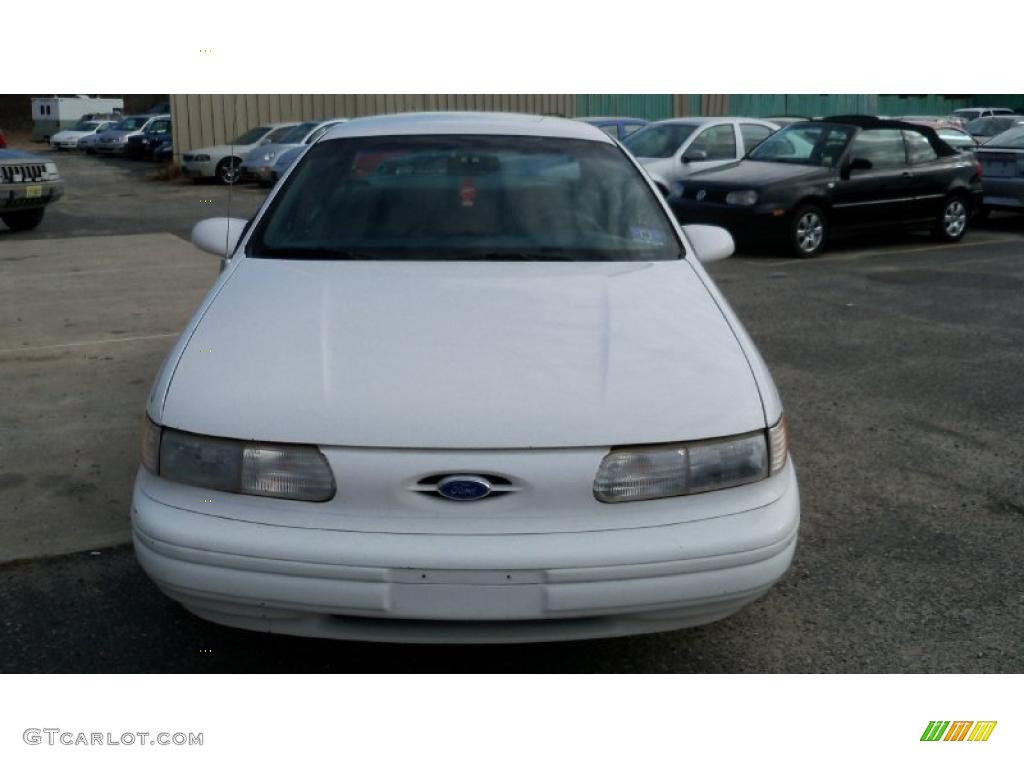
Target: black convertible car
{"type": "Point", "coordinates": [818, 179]}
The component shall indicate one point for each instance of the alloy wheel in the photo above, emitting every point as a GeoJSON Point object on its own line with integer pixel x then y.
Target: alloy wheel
{"type": "Point", "coordinates": [954, 219]}
{"type": "Point", "coordinates": [810, 231]}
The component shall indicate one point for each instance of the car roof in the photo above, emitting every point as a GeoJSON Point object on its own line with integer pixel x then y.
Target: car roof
{"type": "Point", "coordinates": [610, 119]}
{"type": "Point", "coordinates": [490, 123]}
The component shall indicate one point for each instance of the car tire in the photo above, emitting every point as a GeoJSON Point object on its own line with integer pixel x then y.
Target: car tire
{"type": "Point", "coordinates": [953, 219]}
{"type": "Point", "coordinates": [808, 231]}
{"type": "Point", "coordinates": [229, 170]}
{"type": "Point", "coordinates": [21, 221]}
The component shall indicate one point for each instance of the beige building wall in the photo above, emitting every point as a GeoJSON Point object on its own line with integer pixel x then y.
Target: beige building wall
{"type": "Point", "coordinates": [202, 120]}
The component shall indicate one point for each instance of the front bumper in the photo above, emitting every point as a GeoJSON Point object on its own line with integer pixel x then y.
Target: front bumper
{"type": "Point", "coordinates": [259, 173]}
{"type": "Point", "coordinates": [746, 223]}
{"type": "Point", "coordinates": [110, 149]}
{"type": "Point", "coordinates": [479, 588]}
{"type": "Point", "coordinates": [1004, 194]}
{"type": "Point", "coordinates": [198, 170]}
{"type": "Point", "coordinates": [16, 197]}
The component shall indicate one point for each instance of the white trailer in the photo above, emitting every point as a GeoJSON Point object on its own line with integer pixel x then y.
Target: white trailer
{"type": "Point", "coordinates": [55, 113]}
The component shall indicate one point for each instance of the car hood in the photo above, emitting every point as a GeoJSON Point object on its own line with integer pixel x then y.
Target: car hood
{"type": "Point", "coordinates": [757, 173]}
{"type": "Point", "coordinates": [19, 155]}
{"type": "Point", "coordinates": [223, 150]}
{"type": "Point", "coordinates": [255, 156]}
{"type": "Point", "coordinates": [463, 355]}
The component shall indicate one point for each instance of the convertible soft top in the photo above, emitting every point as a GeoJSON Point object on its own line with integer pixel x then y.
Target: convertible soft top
{"type": "Point", "coordinates": [869, 121]}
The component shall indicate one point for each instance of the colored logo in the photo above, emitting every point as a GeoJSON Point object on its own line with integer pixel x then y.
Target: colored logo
{"type": "Point", "coordinates": [464, 488]}
{"type": "Point", "coordinates": [958, 730]}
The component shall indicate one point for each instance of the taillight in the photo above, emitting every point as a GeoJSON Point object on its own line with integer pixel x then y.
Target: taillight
{"type": "Point", "coordinates": [978, 167]}
{"type": "Point", "coordinates": [3, 141]}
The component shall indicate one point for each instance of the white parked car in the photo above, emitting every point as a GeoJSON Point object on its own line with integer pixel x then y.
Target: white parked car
{"type": "Point", "coordinates": [68, 139]}
{"type": "Point", "coordinates": [464, 379]}
{"type": "Point", "coordinates": [671, 150]}
{"type": "Point", "coordinates": [224, 161]}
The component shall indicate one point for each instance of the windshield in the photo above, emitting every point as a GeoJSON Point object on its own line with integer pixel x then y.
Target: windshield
{"type": "Point", "coordinates": [252, 135]}
{"type": "Point", "coordinates": [1011, 139]}
{"type": "Point", "coordinates": [278, 135]}
{"type": "Point", "coordinates": [464, 197]}
{"type": "Point", "coordinates": [805, 144]}
{"type": "Point", "coordinates": [84, 125]}
{"type": "Point", "coordinates": [297, 133]}
{"type": "Point", "coordinates": [131, 124]}
{"type": "Point", "coordinates": [955, 138]}
{"type": "Point", "coordinates": [658, 140]}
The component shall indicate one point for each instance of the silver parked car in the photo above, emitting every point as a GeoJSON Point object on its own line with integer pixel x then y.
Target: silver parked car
{"type": "Point", "coordinates": [115, 140]}
{"type": "Point", "coordinates": [28, 183]}
{"type": "Point", "coordinates": [1002, 161]}
{"type": "Point", "coordinates": [671, 150]}
{"type": "Point", "coordinates": [259, 163]}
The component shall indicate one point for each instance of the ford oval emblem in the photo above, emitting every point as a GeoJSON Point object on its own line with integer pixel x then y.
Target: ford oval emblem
{"type": "Point", "coordinates": [464, 487]}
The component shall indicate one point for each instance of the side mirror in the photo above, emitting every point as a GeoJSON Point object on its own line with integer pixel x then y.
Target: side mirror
{"type": "Point", "coordinates": [218, 236]}
{"type": "Point", "coordinates": [709, 243]}
{"type": "Point", "coordinates": [694, 156]}
{"type": "Point", "coordinates": [857, 164]}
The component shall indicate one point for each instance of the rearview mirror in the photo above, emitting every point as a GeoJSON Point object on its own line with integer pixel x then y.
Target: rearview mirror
{"type": "Point", "coordinates": [694, 156]}
{"type": "Point", "coordinates": [709, 243]}
{"type": "Point", "coordinates": [218, 236]}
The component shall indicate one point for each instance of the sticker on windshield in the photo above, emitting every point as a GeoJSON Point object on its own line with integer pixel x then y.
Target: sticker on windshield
{"type": "Point", "coordinates": [467, 192]}
{"type": "Point", "coordinates": [647, 236]}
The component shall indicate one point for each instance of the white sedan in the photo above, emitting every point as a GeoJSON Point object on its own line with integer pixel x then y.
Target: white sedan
{"type": "Point", "coordinates": [464, 379]}
{"type": "Point", "coordinates": [223, 162]}
{"type": "Point", "coordinates": [69, 138]}
{"type": "Point", "coordinates": [671, 150]}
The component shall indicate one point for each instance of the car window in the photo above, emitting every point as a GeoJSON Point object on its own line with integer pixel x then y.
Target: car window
{"type": "Point", "coordinates": [278, 134]}
{"type": "Point", "coordinates": [955, 138]}
{"type": "Point", "coordinates": [297, 133]}
{"type": "Point", "coordinates": [753, 134]}
{"type": "Point", "coordinates": [659, 139]}
{"type": "Point", "coordinates": [159, 126]}
{"type": "Point", "coordinates": [882, 147]}
{"type": "Point", "coordinates": [805, 144]}
{"type": "Point", "coordinates": [612, 130]}
{"type": "Point", "coordinates": [465, 197]}
{"type": "Point", "coordinates": [252, 135]}
{"type": "Point", "coordinates": [718, 142]}
{"type": "Point", "coordinates": [630, 128]}
{"type": "Point", "coordinates": [919, 149]}
{"type": "Point", "coordinates": [1012, 139]}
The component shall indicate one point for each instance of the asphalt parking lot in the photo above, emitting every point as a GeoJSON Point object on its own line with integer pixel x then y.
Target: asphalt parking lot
{"type": "Point", "coordinates": [900, 362]}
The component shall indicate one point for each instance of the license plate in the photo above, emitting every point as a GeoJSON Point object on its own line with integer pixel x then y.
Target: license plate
{"type": "Point", "coordinates": [34, 190]}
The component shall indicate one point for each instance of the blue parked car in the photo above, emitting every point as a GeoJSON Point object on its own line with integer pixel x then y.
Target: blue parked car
{"type": "Point", "coordinates": [616, 127]}
{"type": "Point", "coordinates": [28, 183]}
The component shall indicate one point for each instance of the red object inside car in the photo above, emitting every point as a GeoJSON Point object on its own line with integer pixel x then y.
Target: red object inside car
{"type": "Point", "coordinates": [3, 141]}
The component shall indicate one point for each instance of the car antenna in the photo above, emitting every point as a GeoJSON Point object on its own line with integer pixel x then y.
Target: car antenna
{"type": "Point", "coordinates": [227, 229]}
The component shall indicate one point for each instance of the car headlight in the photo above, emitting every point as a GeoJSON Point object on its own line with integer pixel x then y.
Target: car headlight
{"type": "Point", "coordinates": [281, 471]}
{"type": "Point", "coordinates": [742, 197]}
{"type": "Point", "coordinates": [50, 171]}
{"type": "Point", "coordinates": [660, 471]}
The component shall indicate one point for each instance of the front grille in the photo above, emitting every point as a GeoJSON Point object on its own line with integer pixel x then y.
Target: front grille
{"type": "Point", "coordinates": [14, 174]}
{"type": "Point", "coordinates": [499, 485]}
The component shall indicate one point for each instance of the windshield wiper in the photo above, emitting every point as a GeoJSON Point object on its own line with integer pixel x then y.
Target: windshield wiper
{"type": "Point", "coordinates": [509, 256]}
{"type": "Point", "coordinates": [312, 253]}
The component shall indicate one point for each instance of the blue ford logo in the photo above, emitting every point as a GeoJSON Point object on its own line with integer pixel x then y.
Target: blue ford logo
{"type": "Point", "coordinates": [464, 487]}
